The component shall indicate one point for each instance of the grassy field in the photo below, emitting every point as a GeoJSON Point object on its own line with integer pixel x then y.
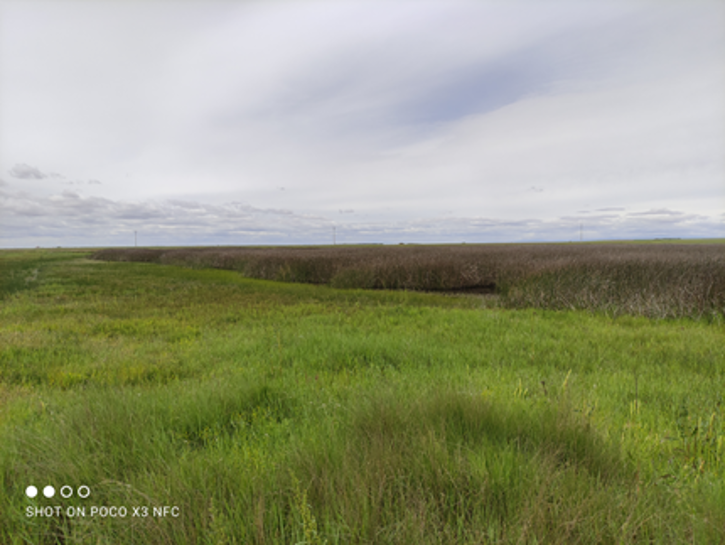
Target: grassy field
{"type": "Point", "coordinates": [216, 408]}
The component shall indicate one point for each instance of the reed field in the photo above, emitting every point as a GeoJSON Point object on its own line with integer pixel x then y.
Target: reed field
{"type": "Point", "coordinates": [654, 280]}
{"type": "Point", "coordinates": [549, 394]}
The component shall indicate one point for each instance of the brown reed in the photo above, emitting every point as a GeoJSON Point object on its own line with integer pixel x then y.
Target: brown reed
{"type": "Point", "coordinates": [656, 280]}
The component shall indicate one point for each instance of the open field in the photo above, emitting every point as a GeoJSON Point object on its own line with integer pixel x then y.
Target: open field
{"type": "Point", "coordinates": [272, 412]}
{"type": "Point", "coordinates": [657, 280]}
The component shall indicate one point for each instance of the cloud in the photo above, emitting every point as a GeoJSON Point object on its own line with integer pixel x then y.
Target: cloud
{"type": "Point", "coordinates": [659, 212]}
{"type": "Point", "coordinates": [427, 120]}
{"type": "Point", "coordinates": [71, 219]}
{"type": "Point", "coordinates": [26, 172]}
{"type": "Point", "coordinates": [69, 215]}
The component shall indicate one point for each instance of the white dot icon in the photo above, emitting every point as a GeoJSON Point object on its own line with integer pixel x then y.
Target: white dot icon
{"type": "Point", "coordinates": [31, 491]}
{"type": "Point", "coordinates": [48, 491]}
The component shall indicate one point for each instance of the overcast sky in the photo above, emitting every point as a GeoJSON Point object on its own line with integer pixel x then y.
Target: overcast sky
{"type": "Point", "coordinates": [282, 122]}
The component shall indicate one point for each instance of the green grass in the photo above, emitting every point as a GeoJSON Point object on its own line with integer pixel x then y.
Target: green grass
{"type": "Point", "coordinates": [286, 413]}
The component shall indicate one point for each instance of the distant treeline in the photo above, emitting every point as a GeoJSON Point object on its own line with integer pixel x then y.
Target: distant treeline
{"type": "Point", "coordinates": [656, 280]}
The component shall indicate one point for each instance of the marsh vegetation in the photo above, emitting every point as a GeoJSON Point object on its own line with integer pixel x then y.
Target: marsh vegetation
{"type": "Point", "coordinates": [655, 280]}
{"type": "Point", "coordinates": [276, 412]}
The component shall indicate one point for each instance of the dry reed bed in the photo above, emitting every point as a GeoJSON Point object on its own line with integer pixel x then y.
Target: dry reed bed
{"type": "Point", "coordinates": [656, 280]}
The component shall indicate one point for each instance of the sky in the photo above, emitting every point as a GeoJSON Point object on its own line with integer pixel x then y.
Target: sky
{"type": "Point", "coordinates": [172, 123]}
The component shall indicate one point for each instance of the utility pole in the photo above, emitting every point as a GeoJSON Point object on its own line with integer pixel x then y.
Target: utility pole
{"type": "Point", "coordinates": [334, 235]}
{"type": "Point", "coordinates": [135, 239]}
{"type": "Point", "coordinates": [581, 228]}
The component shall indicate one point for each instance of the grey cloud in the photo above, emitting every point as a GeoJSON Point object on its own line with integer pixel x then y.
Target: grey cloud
{"type": "Point", "coordinates": [26, 172]}
{"type": "Point", "coordinates": [658, 212]}
{"type": "Point", "coordinates": [588, 218]}
{"type": "Point", "coordinates": [362, 83]}
{"type": "Point", "coordinates": [71, 219]}
{"type": "Point", "coordinates": [611, 209]}
{"type": "Point", "coordinates": [71, 213]}
{"type": "Point", "coordinates": [597, 227]}
{"type": "Point", "coordinates": [94, 182]}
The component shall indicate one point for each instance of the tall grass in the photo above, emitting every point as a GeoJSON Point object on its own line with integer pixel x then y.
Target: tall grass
{"type": "Point", "coordinates": [248, 464]}
{"type": "Point", "coordinates": [665, 284]}
{"type": "Point", "coordinates": [662, 281]}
